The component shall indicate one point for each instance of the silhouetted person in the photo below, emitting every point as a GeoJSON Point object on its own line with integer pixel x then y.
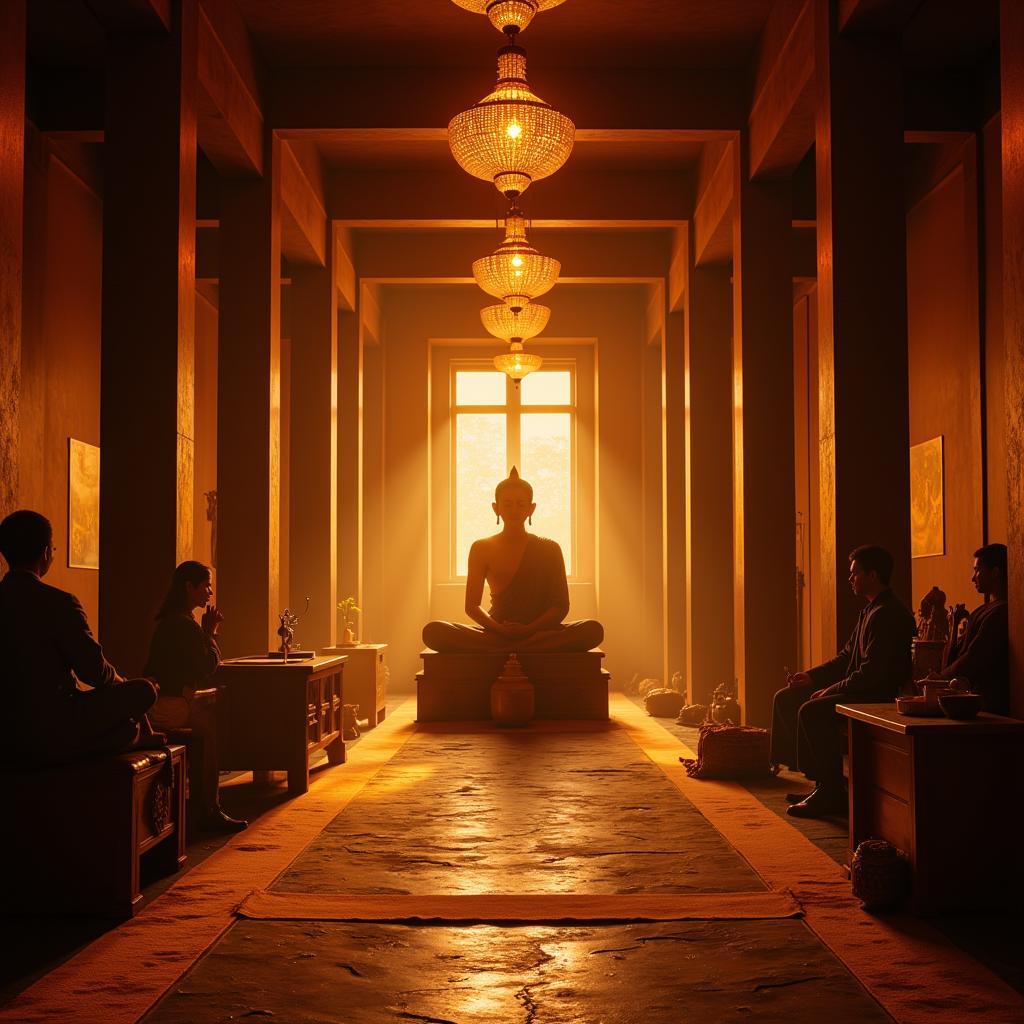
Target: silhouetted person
{"type": "Point", "coordinates": [873, 667]}
{"type": "Point", "coordinates": [983, 654]}
{"type": "Point", "coordinates": [529, 592]}
{"type": "Point", "coordinates": [46, 648]}
{"type": "Point", "coordinates": [183, 656]}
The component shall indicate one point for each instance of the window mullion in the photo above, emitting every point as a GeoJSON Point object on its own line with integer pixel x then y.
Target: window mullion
{"type": "Point", "coordinates": [513, 434]}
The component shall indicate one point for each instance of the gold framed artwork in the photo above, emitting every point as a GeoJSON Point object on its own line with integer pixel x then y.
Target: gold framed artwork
{"type": "Point", "coordinates": [83, 505]}
{"type": "Point", "coordinates": [927, 517]}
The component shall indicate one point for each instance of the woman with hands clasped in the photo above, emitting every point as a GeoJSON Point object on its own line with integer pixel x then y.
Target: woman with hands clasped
{"type": "Point", "coordinates": [183, 656]}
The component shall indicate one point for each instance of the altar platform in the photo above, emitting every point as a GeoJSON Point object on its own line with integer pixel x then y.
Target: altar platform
{"type": "Point", "coordinates": [457, 687]}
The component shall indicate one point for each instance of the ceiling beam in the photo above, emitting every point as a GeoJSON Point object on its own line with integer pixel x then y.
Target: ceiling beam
{"type": "Point", "coordinates": [679, 267]}
{"type": "Point", "coordinates": [887, 16]}
{"type": "Point", "coordinates": [230, 117]}
{"type": "Point", "coordinates": [303, 217]}
{"type": "Point", "coordinates": [132, 15]}
{"type": "Point", "coordinates": [370, 321]}
{"type": "Point", "coordinates": [804, 251]}
{"type": "Point", "coordinates": [66, 101]}
{"type": "Point", "coordinates": [706, 102]}
{"type": "Point", "coordinates": [712, 215]}
{"type": "Point", "coordinates": [574, 194]}
{"type": "Point", "coordinates": [781, 118]}
{"type": "Point", "coordinates": [450, 254]}
{"type": "Point", "coordinates": [344, 266]}
{"type": "Point", "coordinates": [939, 102]}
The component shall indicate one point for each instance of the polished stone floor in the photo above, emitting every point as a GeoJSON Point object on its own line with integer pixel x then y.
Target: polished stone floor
{"type": "Point", "coordinates": [533, 812]}
{"type": "Point", "coordinates": [513, 811]}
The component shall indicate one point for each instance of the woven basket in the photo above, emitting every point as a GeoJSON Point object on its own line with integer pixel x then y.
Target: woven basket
{"type": "Point", "coordinates": [880, 874]}
{"type": "Point", "coordinates": [730, 752]}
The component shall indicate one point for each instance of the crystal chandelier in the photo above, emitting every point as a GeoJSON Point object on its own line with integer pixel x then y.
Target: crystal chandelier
{"type": "Point", "coordinates": [511, 137]}
{"type": "Point", "coordinates": [509, 15]}
{"type": "Point", "coordinates": [516, 363]}
{"type": "Point", "coordinates": [510, 325]}
{"type": "Point", "coordinates": [515, 272]}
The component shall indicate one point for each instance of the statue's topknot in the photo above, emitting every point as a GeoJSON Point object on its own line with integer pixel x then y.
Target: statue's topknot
{"type": "Point", "coordinates": [512, 480]}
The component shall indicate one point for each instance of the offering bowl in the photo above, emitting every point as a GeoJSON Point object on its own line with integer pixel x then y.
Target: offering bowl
{"type": "Point", "coordinates": [960, 706]}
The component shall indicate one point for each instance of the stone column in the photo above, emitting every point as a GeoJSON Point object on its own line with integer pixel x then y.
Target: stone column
{"type": "Point", "coordinates": [12, 199]}
{"type": "Point", "coordinates": [249, 409]}
{"type": "Point", "coordinates": [673, 490]}
{"type": "Point", "coordinates": [764, 495]}
{"type": "Point", "coordinates": [350, 462]}
{"type": "Point", "coordinates": [652, 620]}
{"type": "Point", "coordinates": [1011, 45]}
{"type": "Point", "coordinates": [864, 432]}
{"type": "Point", "coordinates": [709, 597]}
{"type": "Point", "coordinates": [148, 328]}
{"type": "Point", "coordinates": [314, 453]}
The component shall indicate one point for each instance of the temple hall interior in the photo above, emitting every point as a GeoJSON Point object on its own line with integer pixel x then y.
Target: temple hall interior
{"type": "Point", "coordinates": [511, 511]}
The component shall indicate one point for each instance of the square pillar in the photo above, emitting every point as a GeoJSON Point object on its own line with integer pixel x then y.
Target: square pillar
{"type": "Point", "coordinates": [249, 409]}
{"type": "Point", "coordinates": [12, 199]}
{"type": "Point", "coordinates": [147, 364]}
{"type": "Point", "coordinates": [709, 597]}
{"type": "Point", "coordinates": [864, 422]}
{"type": "Point", "coordinates": [654, 582]}
{"type": "Point", "coordinates": [764, 494]}
{"type": "Point", "coordinates": [350, 463]}
{"type": "Point", "coordinates": [313, 515]}
{"type": "Point", "coordinates": [673, 491]}
{"type": "Point", "coordinates": [1011, 46]}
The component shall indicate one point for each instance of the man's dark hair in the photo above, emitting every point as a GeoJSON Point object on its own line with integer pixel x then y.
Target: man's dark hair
{"type": "Point", "coordinates": [993, 556]}
{"type": "Point", "coordinates": [24, 536]}
{"type": "Point", "coordinates": [872, 557]}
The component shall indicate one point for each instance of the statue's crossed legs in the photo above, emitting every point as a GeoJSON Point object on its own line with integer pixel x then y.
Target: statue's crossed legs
{"type": "Point", "coordinates": [455, 638]}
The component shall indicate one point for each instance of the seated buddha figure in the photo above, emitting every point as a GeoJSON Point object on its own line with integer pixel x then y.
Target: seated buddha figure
{"type": "Point", "coordinates": [529, 594]}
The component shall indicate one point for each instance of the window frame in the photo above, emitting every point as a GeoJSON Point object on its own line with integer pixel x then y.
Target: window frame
{"type": "Point", "coordinates": [513, 410]}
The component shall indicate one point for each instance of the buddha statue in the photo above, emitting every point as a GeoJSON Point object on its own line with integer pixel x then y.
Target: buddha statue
{"type": "Point", "coordinates": [529, 593]}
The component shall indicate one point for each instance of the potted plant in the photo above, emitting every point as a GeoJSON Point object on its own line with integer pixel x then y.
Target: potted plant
{"type": "Point", "coordinates": [348, 608]}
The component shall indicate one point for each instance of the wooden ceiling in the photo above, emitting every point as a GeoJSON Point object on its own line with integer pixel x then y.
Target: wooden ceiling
{"type": "Point", "coordinates": [433, 33]}
{"type": "Point", "coordinates": [428, 149]}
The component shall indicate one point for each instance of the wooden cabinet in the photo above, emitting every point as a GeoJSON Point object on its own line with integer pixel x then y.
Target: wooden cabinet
{"type": "Point", "coordinates": [947, 794]}
{"type": "Point", "coordinates": [77, 832]}
{"type": "Point", "coordinates": [275, 715]}
{"type": "Point", "coordinates": [366, 679]}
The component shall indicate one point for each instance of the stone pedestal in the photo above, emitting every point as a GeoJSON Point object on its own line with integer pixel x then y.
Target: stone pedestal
{"type": "Point", "coordinates": [457, 687]}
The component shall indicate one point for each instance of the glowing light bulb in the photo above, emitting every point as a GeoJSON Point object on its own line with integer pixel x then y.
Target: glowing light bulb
{"type": "Point", "coordinates": [517, 261]}
{"type": "Point", "coordinates": [513, 131]}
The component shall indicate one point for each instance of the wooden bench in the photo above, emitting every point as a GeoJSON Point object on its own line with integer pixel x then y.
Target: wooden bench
{"type": "Point", "coordinates": [76, 833]}
{"type": "Point", "coordinates": [457, 687]}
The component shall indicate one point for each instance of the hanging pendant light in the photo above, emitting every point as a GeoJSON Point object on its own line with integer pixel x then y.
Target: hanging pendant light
{"type": "Point", "coordinates": [516, 363]}
{"type": "Point", "coordinates": [511, 137]}
{"type": "Point", "coordinates": [506, 15]}
{"type": "Point", "coordinates": [505, 323]}
{"type": "Point", "coordinates": [515, 272]}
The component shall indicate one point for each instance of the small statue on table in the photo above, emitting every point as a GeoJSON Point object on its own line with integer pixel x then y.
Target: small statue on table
{"type": "Point", "coordinates": [286, 631]}
{"type": "Point", "coordinates": [933, 619]}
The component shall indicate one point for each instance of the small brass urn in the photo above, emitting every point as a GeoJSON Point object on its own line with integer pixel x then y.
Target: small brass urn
{"type": "Point", "coordinates": [512, 696]}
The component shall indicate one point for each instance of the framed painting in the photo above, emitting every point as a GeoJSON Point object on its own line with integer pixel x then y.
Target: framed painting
{"type": "Point", "coordinates": [83, 505]}
{"type": "Point", "coordinates": [927, 517]}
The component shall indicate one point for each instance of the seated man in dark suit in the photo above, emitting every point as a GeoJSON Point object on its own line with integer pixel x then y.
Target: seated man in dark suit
{"type": "Point", "coordinates": [982, 654]}
{"type": "Point", "coordinates": [873, 667]}
{"type": "Point", "coordinates": [47, 649]}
